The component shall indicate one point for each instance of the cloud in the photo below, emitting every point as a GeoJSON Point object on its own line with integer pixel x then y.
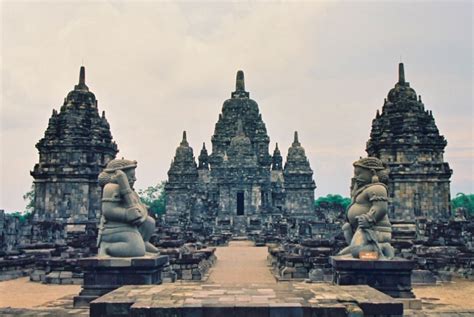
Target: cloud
{"type": "Point", "coordinates": [159, 68]}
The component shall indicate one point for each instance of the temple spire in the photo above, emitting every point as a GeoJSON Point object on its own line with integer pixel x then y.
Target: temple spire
{"type": "Point", "coordinates": [277, 160]}
{"type": "Point", "coordinates": [401, 74]}
{"type": "Point", "coordinates": [203, 158]}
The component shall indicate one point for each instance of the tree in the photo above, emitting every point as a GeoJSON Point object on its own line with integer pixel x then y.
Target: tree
{"type": "Point", "coordinates": [29, 197]}
{"type": "Point", "coordinates": [154, 197]}
{"type": "Point", "coordinates": [334, 202]}
{"type": "Point", "coordinates": [463, 201]}
{"type": "Point", "coordinates": [22, 216]}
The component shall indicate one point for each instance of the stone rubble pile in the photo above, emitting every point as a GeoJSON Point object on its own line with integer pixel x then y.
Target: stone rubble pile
{"type": "Point", "coordinates": [444, 248]}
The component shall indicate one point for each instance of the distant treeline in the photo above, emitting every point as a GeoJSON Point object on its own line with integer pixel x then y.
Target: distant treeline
{"type": "Point", "coordinates": [338, 202]}
{"type": "Point", "coordinates": [332, 202]}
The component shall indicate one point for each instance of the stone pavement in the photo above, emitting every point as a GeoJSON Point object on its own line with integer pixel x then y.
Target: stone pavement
{"type": "Point", "coordinates": [58, 307]}
{"type": "Point", "coordinates": [21, 293]}
{"type": "Point", "coordinates": [240, 262]}
{"type": "Point", "coordinates": [245, 300]}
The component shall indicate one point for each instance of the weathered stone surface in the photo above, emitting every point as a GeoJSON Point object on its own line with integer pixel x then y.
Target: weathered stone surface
{"type": "Point", "coordinates": [298, 180]}
{"type": "Point", "coordinates": [239, 186]}
{"type": "Point", "coordinates": [104, 274]}
{"type": "Point", "coordinates": [406, 138]}
{"type": "Point", "coordinates": [423, 277]}
{"type": "Point", "coordinates": [392, 277]}
{"type": "Point", "coordinates": [443, 248]}
{"type": "Point", "coordinates": [368, 228]}
{"type": "Point", "coordinates": [125, 225]}
{"type": "Point", "coordinates": [76, 147]}
{"type": "Point", "coordinates": [283, 299]}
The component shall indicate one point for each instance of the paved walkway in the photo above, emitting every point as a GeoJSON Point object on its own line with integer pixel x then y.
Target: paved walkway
{"type": "Point", "coordinates": [21, 293]}
{"type": "Point", "coordinates": [241, 263]}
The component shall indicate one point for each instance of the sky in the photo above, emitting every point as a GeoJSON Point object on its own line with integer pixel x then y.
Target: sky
{"type": "Point", "coordinates": [158, 68]}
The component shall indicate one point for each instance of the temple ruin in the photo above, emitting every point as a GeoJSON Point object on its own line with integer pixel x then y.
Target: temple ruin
{"type": "Point", "coordinates": [76, 146]}
{"type": "Point", "coordinates": [239, 184]}
{"type": "Point", "coordinates": [404, 135]}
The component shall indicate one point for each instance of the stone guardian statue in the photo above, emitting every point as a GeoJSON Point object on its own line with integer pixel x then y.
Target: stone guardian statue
{"type": "Point", "coordinates": [125, 226]}
{"type": "Point", "coordinates": [368, 227]}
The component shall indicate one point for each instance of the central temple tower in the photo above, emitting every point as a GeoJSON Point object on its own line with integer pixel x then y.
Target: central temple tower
{"type": "Point", "coordinates": [240, 161]}
{"type": "Point", "coordinates": [239, 181]}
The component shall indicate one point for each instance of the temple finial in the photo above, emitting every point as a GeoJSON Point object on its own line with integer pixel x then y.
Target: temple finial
{"type": "Point", "coordinates": [276, 146]}
{"type": "Point", "coordinates": [184, 141]}
{"type": "Point", "coordinates": [82, 80]}
{"type": "Point", "coordinates": [240, 86]}
{"type": "Point", "coordinates": [82, 76]}
{"type": "Point", "coordinates": [401, 73]}
{"type": "Point", "coordinates": [296, 141]}
{"type": "Point", "coordinates": [203, 145]}
{"type": "Point", "coordinates": [240, 81]}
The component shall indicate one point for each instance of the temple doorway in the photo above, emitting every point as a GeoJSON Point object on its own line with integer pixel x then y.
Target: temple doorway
{"type": "Point", "coordinates": [240, 204]}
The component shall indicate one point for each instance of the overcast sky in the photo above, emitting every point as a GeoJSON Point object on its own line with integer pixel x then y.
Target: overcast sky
{"type": "Point", "coordinates": [322, 68]}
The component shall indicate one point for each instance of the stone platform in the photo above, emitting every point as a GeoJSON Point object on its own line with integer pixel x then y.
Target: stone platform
{"type": "Point", "coordinates": [249, 300]}
{"type": "Point", "coordinates": [392, 277]}
{"type": "Point", "coordinates": [105, 274]}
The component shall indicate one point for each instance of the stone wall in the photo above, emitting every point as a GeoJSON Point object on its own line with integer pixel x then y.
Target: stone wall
{"type": "Point", "coordinates": [306, 259]}
{"type": "Point", "coordinates": [45, 250]}
{"type": "Point", "coordinates": [13, 232]}
{"type": "Point", "coordinates": [419, 194]}
{"type": "Point", "coordinates": [443, 248]}
{"type": "Point", "coordinates": [189, 261]}
{"type": "Point", "coordinates": [14, 266]}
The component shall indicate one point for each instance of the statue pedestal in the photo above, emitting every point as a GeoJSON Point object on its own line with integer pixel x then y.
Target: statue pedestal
{"type": "Point", "coordinates": [392, 277]}
{"type": "Point", "coordinates": [105, 274]}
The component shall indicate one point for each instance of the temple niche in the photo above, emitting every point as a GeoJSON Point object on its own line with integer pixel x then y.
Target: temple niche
{"type": "Point", "coordinates": [76, 146]}
{"type": "Point", "coordinates": [239, 184]}
{"type": "Point", "coordinates": [406, 138]}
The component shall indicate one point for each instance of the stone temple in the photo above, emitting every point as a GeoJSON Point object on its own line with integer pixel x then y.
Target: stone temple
{"type": "Point", "coordinates": [239, 184]}
{"type": "Point", "coordinates": [406, 138]}
{"type": "Point", "coordinates": [76, 146]}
